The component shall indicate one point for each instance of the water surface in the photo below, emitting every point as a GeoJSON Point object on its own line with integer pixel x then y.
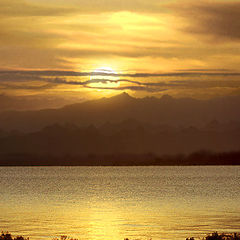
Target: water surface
{"type": "Point", "coordinates": [100, 203]}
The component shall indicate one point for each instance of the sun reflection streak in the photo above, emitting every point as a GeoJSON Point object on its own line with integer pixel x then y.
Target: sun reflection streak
{"type": "Point", "coordinates": [105, 224]}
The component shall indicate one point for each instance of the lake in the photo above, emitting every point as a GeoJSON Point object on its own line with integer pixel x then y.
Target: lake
{"type": "Point", "coordinates": [113, 203]}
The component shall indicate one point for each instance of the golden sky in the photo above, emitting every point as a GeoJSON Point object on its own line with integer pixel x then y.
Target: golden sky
{"type": "Point", "coordinates": [144, 47]}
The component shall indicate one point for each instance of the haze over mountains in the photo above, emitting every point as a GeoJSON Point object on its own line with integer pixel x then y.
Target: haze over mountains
{"type": "Point", "coordinates": [165, 110]}
{"type": "Point", "coordinates": [123, 125]}
{"type": "Point", "coordinates": [128, 137]}
{"type": "Point", "coordinates": [35, 102]}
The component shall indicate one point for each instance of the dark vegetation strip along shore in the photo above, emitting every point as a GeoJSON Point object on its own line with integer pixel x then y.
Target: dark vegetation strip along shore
{"type": "Point", "coordinates": [213, 236]}
{"type": "Point", "coordinates": [194, 159]}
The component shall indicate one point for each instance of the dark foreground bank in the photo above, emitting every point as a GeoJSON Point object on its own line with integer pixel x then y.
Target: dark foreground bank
{"type": "Point", "coordinates": [195, 159]}
{"type": "Point", "coordinates": [213, 236]}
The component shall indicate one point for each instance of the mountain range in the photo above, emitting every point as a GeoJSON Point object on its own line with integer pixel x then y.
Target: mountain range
{"type": "Point", "coordinates": [121, 126]}
{"type": "Point", "coordinates": [165, 110]}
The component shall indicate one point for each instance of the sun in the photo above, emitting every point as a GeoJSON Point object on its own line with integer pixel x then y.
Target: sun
{"type": "Point", "coordinates": [104, 77]}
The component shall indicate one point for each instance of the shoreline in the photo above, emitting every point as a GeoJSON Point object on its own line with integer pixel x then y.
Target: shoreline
{"type": "Point", "coordinates": [212, 236]}
{"type": "Point", "coordinates": [199, 158]}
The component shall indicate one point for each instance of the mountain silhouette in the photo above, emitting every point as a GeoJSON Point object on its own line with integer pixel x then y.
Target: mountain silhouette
{"type": "Point", "coordinates": [126, 137]}
{"type": "Point", "coordinates": [165, 111]}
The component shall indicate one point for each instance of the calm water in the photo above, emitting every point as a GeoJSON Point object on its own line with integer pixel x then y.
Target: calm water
{"type": "Point", "coordinates": [116, 202]}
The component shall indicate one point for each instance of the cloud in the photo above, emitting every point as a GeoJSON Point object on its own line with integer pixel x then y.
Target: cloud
{"type": "Point", "coordinates": [27, 87]}
{"type": "Point", "coordinates": [149, 86]}
{"type": "Point", "coordinates": [137, 84]}
{"type": "Point", "coordinates": [54, 34]}
{"type": "Point", "coordinates": [217, 20]}
{"type": "Point", "coordinates": [133, 88]}
{"type": "Point", "coordinates": [148, 82]}
{"type": "Point", "coordinates": [60, 34]}
{"type": "Point", "coordinates": [185, 73]}
{"type": "Point", "coordinates": [206, 70]}
{"type": "Point", "coordinates": [21, 8]}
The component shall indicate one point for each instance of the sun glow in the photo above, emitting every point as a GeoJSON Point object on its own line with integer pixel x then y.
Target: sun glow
{"type": "Point", "coordinates": [105, 78]}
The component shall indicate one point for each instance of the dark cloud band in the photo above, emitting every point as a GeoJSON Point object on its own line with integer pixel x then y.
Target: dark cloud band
{"type": "Point", "coordinates": [132, 82]}
{"type": "Point", "coordinates": [195, 72]}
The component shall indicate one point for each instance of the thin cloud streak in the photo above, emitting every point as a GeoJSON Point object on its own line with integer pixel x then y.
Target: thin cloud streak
{"type": "Point", "coordinates": [86, 74]}
{"type": "Point", "coordinates": [134, 88]}
{"type": "Point", "coordinates": [180, 83]}
{"type": "Point", "coordinates": [17, 87]}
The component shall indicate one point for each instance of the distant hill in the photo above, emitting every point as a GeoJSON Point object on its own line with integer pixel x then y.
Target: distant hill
{"type": "Point", "coordinates": [126, 137]}
{"type": "Point", "coordinates": [165, 111]}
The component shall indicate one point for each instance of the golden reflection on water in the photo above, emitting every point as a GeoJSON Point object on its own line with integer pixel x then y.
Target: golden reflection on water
{"type": "Point", "coordinates": [118, 203]}
{"type": "Point", "coordinates": [104, 223]}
